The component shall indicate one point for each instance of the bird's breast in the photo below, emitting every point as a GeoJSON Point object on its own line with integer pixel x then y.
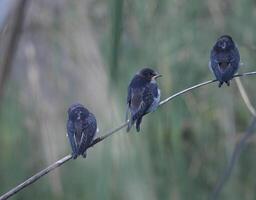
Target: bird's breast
{"type": "Point", "coordinates": [156, 101]}
{"type": "Point", "coordinates": [79, 126]}
{"type": "Point", "coordinates": [223, 65]}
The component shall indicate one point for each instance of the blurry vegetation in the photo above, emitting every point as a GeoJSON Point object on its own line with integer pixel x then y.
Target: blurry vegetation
{"type": "Point", "coordinates": [78, 50]}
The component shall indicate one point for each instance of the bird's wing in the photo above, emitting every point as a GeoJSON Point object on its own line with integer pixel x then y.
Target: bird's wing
{"type": "Point", "coordinates": [144, 101]}
{"type": "Point", "coordinates": [235, 57]}
{"type": "Point", "coordinates": [210, 66]}
{"type": "Point", "coordinates": [136, 99]}
{"type": "Point", "coordinates": [129, 95]}
{"type": "Point", "coordinates": [128, 103]}
{"type": "Point", "coordinates": [92, 125]}
{"type": "Point", "coordinates": [213, 60]}
{"type": "Point", "coordinates": [150, 92]}
{"type": "Point", "coordinates": [71, 136]}
{"type": "Point", "coordinates": [88, 133]}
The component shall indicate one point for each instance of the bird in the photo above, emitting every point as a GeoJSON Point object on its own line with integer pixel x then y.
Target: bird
{"type": "Point", "coordinates": [143, 96]}
{"type": "Point", "coordinates": [224, 59]}
{"type": "Point", "coordinates": [81, 129]}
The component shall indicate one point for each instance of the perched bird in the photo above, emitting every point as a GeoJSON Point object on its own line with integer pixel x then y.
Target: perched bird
{"type": "Point", "coordinates": [143, 96]}
{"type": "Point", "coordinates": [224, 59]}
{"type": "Point", "coordinates": [81, 129]}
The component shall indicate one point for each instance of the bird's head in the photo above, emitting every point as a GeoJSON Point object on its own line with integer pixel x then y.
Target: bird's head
{"type": "Point", "coordinates": [225, 42]}
{"type": "Point", "coordinates": [77, 112]}
{"type": "Point", "coordinates": [149, 74]}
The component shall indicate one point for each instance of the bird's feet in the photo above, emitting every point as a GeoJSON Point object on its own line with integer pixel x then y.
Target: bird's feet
{"type": "Point", "coordinates": [84, 154]}
{"type": "Point", "coordinates": [138, 122]}
{"type": "Point", "coordinates": [74, 155]}
{"type": "Point", "coordinates": [220, 84]}
{"type": "Point", "coordinates": [228, 83]}
{"type": "Point", "coordinates": [138, 128]}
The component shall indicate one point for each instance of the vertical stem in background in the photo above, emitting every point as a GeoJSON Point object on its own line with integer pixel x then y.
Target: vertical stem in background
{"type": "Point", "coordinates": [245, 96]}
{"type": "Point", "coordinates": [16, 29]}
{"type": "Point", "coordinates": [117, 15]}
{"type": "Point", "coordinates": [235, 155]}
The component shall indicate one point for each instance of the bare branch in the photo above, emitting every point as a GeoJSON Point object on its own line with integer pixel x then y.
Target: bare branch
{"type": "Point", "coordinates": [238, 148]}
{"type": "Point", "coordinates": [185, 91]}
{"type": "Point", "coordinates": [99, 139]}
{"type": "Point", "coordinates": [200, 85]}
{"type": "Point", "coordinates": [35, 177]}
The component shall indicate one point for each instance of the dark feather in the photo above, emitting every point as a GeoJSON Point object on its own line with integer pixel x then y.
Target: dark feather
{"type": "Point", "coordinates": [81, 128]}
{"type": "Point", "coordinates": [142, 94]}
{"type": "Point", "coordinates": [224, 59]}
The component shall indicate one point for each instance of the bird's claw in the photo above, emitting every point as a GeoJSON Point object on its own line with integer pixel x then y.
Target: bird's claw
{"type": "Point", "coordinates": [84, 154]}
{"type": "Point", "coordinates": [74, 155]}
{"type": "Point", "coordinates": [220, 84]}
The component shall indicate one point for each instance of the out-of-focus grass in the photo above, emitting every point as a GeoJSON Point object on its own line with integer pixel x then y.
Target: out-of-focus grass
{"type": "Point", "coordinates": [183, 147]}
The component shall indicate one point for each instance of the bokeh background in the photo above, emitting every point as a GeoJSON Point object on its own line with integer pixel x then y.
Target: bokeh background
{"type": "Point", "coordinates": [55, 53]}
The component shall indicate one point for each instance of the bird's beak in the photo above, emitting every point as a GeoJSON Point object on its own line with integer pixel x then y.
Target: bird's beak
{"type": "Point", "coordinates": [223, 46]}
{"type": "Point", "coordinates": [157, 76]}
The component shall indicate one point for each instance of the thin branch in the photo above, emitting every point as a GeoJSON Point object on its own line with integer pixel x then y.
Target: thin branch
{"type": "Point", "coordinates": [238, 148]}
{"type": "Point", "coordinates": [200, 85]}
{"type": "Point", "coordinates": [245, 97]}
{"type": "Point", "coordinates": [185, 91]}
{"type": "Point", "coordinates": [35, 177]}
{"type": "Point", "coordinates": [99, 139]}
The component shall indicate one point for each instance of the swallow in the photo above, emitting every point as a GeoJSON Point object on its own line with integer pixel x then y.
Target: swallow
{"type": "Point", "coordinates": [143, 96]}
{"type": "Point", "coordinates": [81, 129]}
{"type": "Point", "coordinates": [224, 59]}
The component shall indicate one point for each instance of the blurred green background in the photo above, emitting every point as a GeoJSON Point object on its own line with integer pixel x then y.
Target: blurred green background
{"type": "Point", "coordinates": [87, 51]}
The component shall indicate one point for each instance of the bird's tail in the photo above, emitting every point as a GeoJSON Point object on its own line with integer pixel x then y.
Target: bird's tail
{"type": "Point", "coordinates": [138, 122]}
{"type": "Point", "coordinates": [137, 117]}
{"type": "Point", "coordinates": [127, 113]}
{"type": "Point", "coordinates": [129, 117]}
{"type": "Point", "coordinates": [130, 124]}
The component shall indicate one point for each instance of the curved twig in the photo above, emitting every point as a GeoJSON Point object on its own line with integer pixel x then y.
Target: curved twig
{"type": "Point", "coordinates": [245, 97]}
{"type": "Point", "coordinates": [99, 139]}
{"type": "Point", "coordinates": [238, 148]}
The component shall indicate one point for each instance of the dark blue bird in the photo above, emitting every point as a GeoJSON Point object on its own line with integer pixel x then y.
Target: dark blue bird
{"type": "Point", "coordinates": [224, 59]}
{"type": "Point", "coordinates": [81, 129]}
{"type": "Point", "coordinates": [143, 96]}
